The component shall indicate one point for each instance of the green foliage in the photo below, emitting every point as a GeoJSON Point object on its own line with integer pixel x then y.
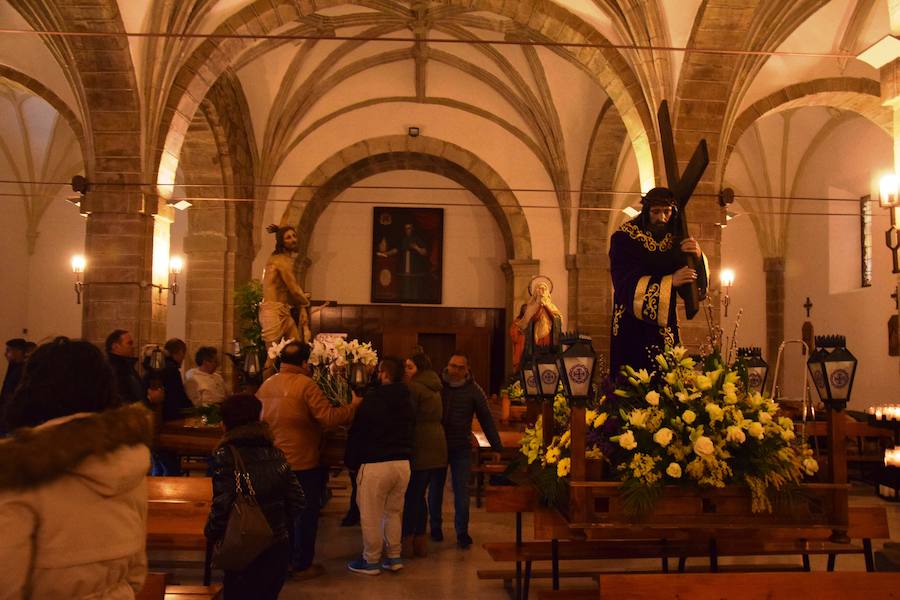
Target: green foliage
{"type": "Point", "coordinates": [246, 306]}
{"type": "Point", "coordinates": [551, 488]}
{"type": "Point", "coordinates": [638, 499]}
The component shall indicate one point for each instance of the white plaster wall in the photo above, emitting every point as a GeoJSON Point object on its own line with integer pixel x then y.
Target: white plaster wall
{"type": "Point", "coordinates": [740, 252]}
{"type": "Point", "coordinates": [341, 246]}
{"type": "Point", "coordinates": [38, 300]}
{"type": "Point", "coordinates": [844, 165]}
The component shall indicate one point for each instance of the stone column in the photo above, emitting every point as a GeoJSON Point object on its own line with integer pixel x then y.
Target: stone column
{"type": "Point", "coordinates": [774, 270]}
{"type": "Point", "coordinates": [519, 274]}
{"type": "Point", "coordinates": [119, 252]}
{"type": "Point", "coordinates": [590, 297]}
{"type": "Point", "coordinates": [890, 95]}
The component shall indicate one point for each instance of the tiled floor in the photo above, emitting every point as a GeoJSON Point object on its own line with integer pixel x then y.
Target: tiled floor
{"type": "Point", "coordinates": [449, 573]}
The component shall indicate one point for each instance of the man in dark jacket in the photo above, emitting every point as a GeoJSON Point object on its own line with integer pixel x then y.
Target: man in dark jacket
{"type": "Point", "coordinates": [175, 403]}
{"type": "Point", "coordinates": [462, 398]}
{"type": "Point", "coordinates": [380, 445]}
{"type": "Point", "coordinates": [120, 353]}
{"type": "Point", "coordinates": [274, 485]}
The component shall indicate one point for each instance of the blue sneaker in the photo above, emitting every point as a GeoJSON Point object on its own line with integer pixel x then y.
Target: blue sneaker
{"type": "Point", "coordinates": [366, 568]}
{"type": "Point", "coordinates": [392, 564]}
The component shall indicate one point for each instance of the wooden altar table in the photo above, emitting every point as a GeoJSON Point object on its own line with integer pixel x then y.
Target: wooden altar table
{"type": "Point", "coordinates": [189, 437]}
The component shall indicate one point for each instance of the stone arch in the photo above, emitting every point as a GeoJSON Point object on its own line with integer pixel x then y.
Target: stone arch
{"type": "Point", "coordinates": [590, 286]}
{"type": "Point", "coordinates": [39, 89]}
{"type": "Point", "coordinates": [218, 155]}
{"type": "Point", "coordinates": [542, 19]}
{"type": "Point", "coordinates": [401, 152]}
{"type": "Point", "coordinates": [853, 94]}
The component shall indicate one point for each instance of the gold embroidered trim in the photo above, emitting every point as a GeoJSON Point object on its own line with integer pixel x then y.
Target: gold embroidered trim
{"type": "Point", "coordinates": [665, 297]}
{"type": "Point", "coordinates": [635, 233]}
{"type": "Point", "coordinates": [619, 312]}
{"type": "Point", "coordinates": [668, 336]}
{"type": "Point", "coordinates": [639, 291]}
{"type": "Point", "coordinates": [651, 302]}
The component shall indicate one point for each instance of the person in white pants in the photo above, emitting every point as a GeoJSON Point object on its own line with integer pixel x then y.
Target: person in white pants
{"type": "Point", "coordinates": [380, 444]}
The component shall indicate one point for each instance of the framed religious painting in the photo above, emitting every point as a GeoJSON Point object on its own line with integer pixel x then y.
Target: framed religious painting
{"type": "Point", "coordinates": [407, 255]}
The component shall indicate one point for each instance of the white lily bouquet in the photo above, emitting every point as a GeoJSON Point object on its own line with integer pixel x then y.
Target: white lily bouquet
{"type": "Point", "coordinates": [330, 362]}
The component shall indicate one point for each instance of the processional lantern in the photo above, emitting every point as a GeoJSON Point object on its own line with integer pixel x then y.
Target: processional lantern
{"type": "Point", "coordinates": [157, 360]}
{"type": "Point", "coordinates": [757, 368]}
{"type": "Point", "coordinates": [528, 378]}
{"type": "Point", "coordinates": [547, 371]}
{"type": "Point", "coordinates": [833, 369]}
{"type": "Point", "coordinates": [576, 365]}
{"type": "Point", "coordinates": [357, 378]}
{"type": "Point", "coordinates": [251, 364]}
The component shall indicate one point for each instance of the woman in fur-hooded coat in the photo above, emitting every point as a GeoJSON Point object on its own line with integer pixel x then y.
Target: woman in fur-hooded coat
{"type": "Point", "coordinates": [73, 497]}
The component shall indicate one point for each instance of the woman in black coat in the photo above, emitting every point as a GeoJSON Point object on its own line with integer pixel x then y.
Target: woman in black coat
{"type": "Point", "coordinates": [277, 492]}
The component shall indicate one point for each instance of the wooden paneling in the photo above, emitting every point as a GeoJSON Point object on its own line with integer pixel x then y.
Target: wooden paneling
{"type": "Point", "coordinates": [396, 329]}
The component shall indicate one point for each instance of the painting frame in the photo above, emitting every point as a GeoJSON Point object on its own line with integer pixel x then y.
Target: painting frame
{"type": "Point", "coordinates": [407, 255]}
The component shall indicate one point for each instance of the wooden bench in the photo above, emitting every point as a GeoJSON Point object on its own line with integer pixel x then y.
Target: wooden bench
{"type": "Point", "coordinates": [155, 588]}
{"type": "Point", "coordinates": [866, 524]}
{"type": "Point", "coordinates": [177, 510]}
{"type": "Point", "coordinates": [744, 586]}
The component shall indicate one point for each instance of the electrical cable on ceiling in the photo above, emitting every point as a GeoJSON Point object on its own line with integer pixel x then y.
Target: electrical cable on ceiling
{"type": "Point", "coordinates": [433, 41]}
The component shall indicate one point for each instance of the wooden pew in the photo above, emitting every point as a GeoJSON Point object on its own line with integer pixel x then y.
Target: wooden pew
{"type": "Point", "coordinates": [746, 586]}
{"type": "Point", "coordinates": [177, 510]}
{"type": "Point", "coordinates": [154, 587]}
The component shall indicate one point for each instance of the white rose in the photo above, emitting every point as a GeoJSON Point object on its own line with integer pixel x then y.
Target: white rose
{"type": "Point", "coordinates": [735, 434]}
{"type": "Point", "coordinates": [652, 398]}
{"type": "Point", "coordinates": [765, 418]}
{"type": "Point", "coordinates": [626, 440]}
{"type": "Point", "coordinates": [704, 446]}
{"type": "Point", "coordinates": [688, 416]}
{"type": "Point", "coordinates": [673, 470]}
{"type": "Point", "coordinates": [756, 430]}
{"type": "Point", "coordinates": [663, 437]}
{"type": "Point", "coordinates": [810, 466]}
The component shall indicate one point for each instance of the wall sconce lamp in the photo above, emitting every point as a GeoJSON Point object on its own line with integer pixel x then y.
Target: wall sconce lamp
{"type": "Point", "coordinates": [413, 131]}
{"type": "Point", "coordinates": [726, 278]}
{"type": "Point", "coordinates": [889, 198]}
{"type": "Point", "coordinates": [176, 265]}
{"type": "Point", "coordinates": [78, 264]}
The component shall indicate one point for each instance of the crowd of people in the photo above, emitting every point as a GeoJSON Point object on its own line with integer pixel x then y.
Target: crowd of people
{"type": "Point", "coordinates": [73, 467]}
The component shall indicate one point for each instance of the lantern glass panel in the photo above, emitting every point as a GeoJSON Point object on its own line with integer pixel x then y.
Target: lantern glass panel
{"type": "Point", "coordinates": [840, 377]}
{"type": "Point", "coordinates": [817, 372]}
{"type": "Point", "coordinates": [577, 378]}
{"type": "Point", "coordinates": [757, 378]}
{"type": "Point", "coordinates": [548, 373]}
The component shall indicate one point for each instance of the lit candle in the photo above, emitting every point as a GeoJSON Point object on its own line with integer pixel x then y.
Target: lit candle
{"type": "Point", "coordinates": [878, 414]}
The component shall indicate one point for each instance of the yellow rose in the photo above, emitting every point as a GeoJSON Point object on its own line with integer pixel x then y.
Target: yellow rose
{"type": "Point", "coordinates": [704, 446]}
{"type": "Point", "coordinates": [663, 437]}
{"type": "Point", "coordinates": [688, 416]}
{"type": "Point", "coordinates": [673, 470]}
{"type": "Point", "coordinates": [652, 398]}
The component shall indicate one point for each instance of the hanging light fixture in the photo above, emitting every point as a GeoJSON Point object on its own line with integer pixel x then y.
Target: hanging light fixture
{"type": "Point", "coordinates": [576, 365]}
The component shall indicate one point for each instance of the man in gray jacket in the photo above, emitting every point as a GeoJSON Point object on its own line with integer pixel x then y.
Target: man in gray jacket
{"type": "Point", "coordinates": [462, 399]}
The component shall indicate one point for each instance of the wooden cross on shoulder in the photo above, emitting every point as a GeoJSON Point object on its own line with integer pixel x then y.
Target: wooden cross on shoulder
{"type": "Point", "coordinates": [682, 187]}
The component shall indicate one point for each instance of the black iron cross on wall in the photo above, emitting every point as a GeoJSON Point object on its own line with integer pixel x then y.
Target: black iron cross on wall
{"type": "Point", "coordinates": [682, 186]}
{"type": "Point", "coordinates": [807, 305]}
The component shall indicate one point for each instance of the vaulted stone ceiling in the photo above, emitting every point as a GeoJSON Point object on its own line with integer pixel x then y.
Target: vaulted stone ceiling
{"type": "Point", "coordinates": [538, 104]}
